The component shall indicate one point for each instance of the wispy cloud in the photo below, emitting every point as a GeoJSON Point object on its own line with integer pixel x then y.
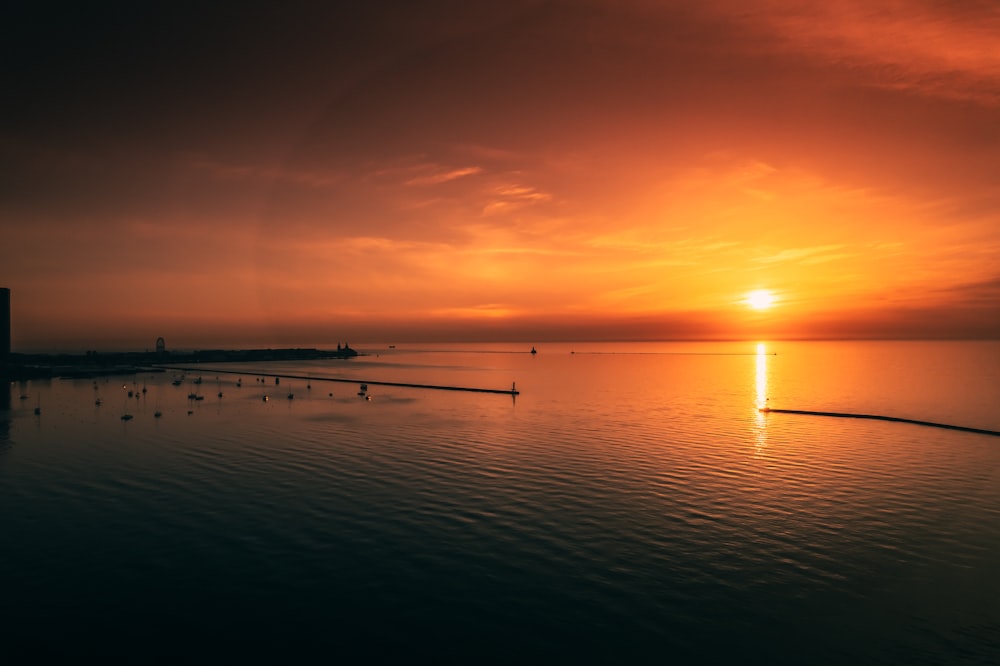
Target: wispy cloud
{"type": "Point", "coordinates": [811, 255]}
{"type": "Point", "coordinates": [513, 195]}
{"type": "Point", "coordinates": [443, 176]}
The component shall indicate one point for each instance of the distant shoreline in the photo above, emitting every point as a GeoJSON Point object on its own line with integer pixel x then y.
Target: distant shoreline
{"type": "Point", "coordinates": [99, 364]}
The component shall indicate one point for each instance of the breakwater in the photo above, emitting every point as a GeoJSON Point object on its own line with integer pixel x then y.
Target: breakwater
{"type": "Point", "coordinates": [878, 417]}
{"type": "Point", "coordinates": [439, 387]}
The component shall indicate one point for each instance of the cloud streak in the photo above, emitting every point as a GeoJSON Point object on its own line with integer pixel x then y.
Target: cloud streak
{"type": "Point", "coordinates": [443, 176]}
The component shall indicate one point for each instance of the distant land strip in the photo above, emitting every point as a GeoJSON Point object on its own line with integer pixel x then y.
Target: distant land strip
{"type": "Point", "coordinates": [97, 364]}
{"type": "Point", "coordinates": [876, 417]}
{"type": "Point", "coordinates": [203, 370]}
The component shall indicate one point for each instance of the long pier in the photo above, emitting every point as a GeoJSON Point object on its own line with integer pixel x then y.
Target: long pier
{"type": "Point", "coordinates": [312, 378]}
{"type": "Point", "coordinates": [877, 417]}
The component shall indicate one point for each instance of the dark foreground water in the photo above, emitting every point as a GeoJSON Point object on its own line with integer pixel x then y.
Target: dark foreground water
{"type": "Point", "coordinates": [626, 508]}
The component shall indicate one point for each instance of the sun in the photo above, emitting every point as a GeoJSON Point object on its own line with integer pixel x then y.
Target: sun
{"type": "Point", "coordinates": [759, 299]}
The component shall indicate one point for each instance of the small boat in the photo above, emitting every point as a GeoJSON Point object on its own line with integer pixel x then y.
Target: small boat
{"type": "Point", "coordinates": [198, 381]}
{"type": "Point", "coordinates": [177, 382]}
{"type": "Point", "coordinates": [534, 351]}
{"type": "Point", "coordinates": [157, 414]}
{"type": "Point", "coordinates": [98, 402]}
{"type": "Point", "coordinates": [126, 417]}
{"type": "Point", "coordinates": [364, 389]}
{"type": "Point", "coordinates": [264, 398]}
{"type": "Point", "coordinates": [290, 396]}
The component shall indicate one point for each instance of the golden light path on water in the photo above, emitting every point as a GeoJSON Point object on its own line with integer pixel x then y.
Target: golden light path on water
{"type": "Point", "coordinates": [760, 429]}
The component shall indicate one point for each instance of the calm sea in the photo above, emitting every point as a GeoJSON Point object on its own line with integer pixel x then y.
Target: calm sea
{"type": "Point", "coordinates": [631, 505]}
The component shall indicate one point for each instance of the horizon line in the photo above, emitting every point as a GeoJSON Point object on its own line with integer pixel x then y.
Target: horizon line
{"type": "Point", "coordinates": [383, 343]}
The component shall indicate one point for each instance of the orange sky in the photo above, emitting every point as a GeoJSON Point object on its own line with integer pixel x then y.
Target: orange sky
{"type": "Point", "coordinates": [500, 171]}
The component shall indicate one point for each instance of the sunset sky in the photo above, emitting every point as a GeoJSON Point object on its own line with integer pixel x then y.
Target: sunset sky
{"type": "Point", "coordinates": [284, 173]}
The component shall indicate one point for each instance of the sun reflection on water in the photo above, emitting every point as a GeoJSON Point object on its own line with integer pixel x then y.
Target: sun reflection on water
{"type": "Point", "coordinates": [761, 375]}
{"type": "Point", "coordinates": [760, 418]}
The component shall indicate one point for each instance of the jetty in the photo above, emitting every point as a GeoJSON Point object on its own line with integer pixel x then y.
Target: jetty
{"type": "Point", "coordinates": [878, 417]}
{"type": "Point", "coordinates": [371, 382]}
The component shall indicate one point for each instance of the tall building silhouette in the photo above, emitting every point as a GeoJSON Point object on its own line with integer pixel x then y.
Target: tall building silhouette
{"type": "Point", "coordinates": [4, 323]}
